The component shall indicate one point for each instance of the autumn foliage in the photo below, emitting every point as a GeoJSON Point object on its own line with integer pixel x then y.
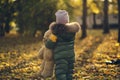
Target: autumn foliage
{"type": "Point", "coordinates": [18, 57]}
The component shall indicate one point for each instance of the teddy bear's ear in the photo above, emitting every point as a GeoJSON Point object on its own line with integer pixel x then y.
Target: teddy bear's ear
{"type": "Point", "coordinates": [73, 27]}
{"type": "Point", "coordinates": [46, 35]}
{"type": "Point", "coordinates": [52, 25]}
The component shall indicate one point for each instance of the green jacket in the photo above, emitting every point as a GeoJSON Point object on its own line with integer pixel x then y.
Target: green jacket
{"type": "Point", "coordinates": [64, 47]}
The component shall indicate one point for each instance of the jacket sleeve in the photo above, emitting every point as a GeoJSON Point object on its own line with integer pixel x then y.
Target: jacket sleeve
{"type": "Point", "coordinates": [50, 44]}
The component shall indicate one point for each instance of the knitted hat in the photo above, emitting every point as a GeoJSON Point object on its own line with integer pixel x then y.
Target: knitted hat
{"type": "Point", "coordinates": [62, 17]}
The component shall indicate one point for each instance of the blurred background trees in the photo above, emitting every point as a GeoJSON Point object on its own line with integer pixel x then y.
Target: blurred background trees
{"type": "Point", "coordinates": [6, 15]}
{"type": "Point", "coordinates": [29, 17]}
{"type": "Point", "coordinates": [34, 15]}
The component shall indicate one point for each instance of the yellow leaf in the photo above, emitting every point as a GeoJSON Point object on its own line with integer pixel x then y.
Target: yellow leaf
{"type": "Point", "coordinates": [53, 37]}
{"type": "Point", "coordinates": [117, 44]}
{"type": "Point", "coordinates": [94, 8]}
{"type": "Point", "coordinates": [2, 56]}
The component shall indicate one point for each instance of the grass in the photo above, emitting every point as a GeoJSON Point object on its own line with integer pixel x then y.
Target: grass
{"type": "Point", "coordinates": [18, 57]}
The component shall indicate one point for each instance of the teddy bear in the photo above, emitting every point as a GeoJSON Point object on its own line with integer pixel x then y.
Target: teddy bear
{"type": "Point", "coordinates": [47, 65]}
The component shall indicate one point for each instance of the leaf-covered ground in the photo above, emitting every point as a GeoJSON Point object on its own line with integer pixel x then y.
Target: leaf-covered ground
{"type": "Point", "coordinates": [19, 61]}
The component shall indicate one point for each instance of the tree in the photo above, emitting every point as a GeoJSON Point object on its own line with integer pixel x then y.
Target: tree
{"type": "Point", "coordinates": [35, 15]}
{"type": "Point", "coordinates": [94, 6]}
{"type": "Point", "coordinates": [2, 32]}
{"type": "Point", "coordinates": [6, 15]}
{"type": "Point", "coordinates": [105, 20]}
{"type": "Point", "coordinates": [84, 24]}
{"type": "Point", "coordinates": [119, 21]}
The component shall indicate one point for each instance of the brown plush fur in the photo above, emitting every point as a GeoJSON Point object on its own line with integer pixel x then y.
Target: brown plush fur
{"type": "Point", "coordinates": [72, 27]}
{"type": "Point", "coordinates": [47, 55]}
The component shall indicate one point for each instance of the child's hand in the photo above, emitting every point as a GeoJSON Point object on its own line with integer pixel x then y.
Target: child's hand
{"type": "Point", "coordinates": [53, 38]}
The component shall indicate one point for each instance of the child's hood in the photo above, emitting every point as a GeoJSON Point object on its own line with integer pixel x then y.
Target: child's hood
{"type": "Point", "coordinates": [72, 27]}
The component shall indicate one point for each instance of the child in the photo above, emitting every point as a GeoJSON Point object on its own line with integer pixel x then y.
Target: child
{"type": "Point", "coordinates": [61, 41]}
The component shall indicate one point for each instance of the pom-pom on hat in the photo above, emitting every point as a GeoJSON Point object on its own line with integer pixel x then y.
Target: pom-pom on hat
{"type": "Point", "coordinates": [62, 17]}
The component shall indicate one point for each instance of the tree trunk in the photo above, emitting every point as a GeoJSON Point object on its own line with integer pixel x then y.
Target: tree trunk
{"type": "Point", "coordinates": [94, 20]}
{"type": "Point", "coordinates": [7, 17]}
{"type": "Point", "coordinates": [105, 21]}
{"type": "Point", "coordinates": [2, 32]}
{"type": "Point", "coordinates": [7, 26]}
{"type": "Point", "coordinates": [119, 20]}
{"type": "Point", "coordinates": [84, 24]}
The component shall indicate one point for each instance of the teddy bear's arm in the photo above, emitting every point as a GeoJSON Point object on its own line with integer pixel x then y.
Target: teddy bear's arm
{"type": "Point", "coordinates": [41, 51]}
{"type": "Point", "coordinates": [50, 44]}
